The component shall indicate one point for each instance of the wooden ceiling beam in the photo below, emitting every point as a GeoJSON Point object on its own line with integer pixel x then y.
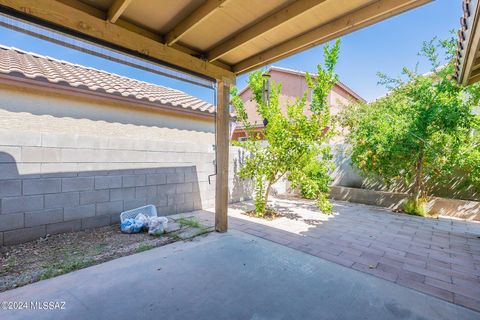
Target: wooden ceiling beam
{"type": "Point", "coordinates": [475, 73]}
{"type": "Point", "coordinates": [476, 64]}
{"type": "Point", "coordinates": [80, 21]}
{"type": "Point", "coordinates": [472, 72]}
{"type": "Point", "coordinates": [193, 19]}
{"type": "Point", "coordinates": [266, 24]}
{"type": "Point", "coordinates": [117, 9]}
{"type": "Point", "coordinates": [472, 79]}
{"type": "Point", "coordinates": [365, 16]}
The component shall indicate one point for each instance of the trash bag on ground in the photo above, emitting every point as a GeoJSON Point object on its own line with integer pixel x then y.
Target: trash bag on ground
{"type": "Point", "coordinates": [144, 219]}
{"type": "Point", "coordinates": [157, 225]}
{"type": "Point", "coordinates": [131, 226]}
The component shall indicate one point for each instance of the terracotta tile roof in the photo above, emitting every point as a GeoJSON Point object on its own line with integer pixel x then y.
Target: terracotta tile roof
{"type": "Point", "coordinates": [468, 7]}
{"type": "Point", "coordinates": [16, 63]}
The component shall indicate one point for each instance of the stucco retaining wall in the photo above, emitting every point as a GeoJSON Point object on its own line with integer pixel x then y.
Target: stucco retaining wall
{"type": "Point", "coordinates": [462, 209]}
{"type": "Point", "coordinates": [345, 175]}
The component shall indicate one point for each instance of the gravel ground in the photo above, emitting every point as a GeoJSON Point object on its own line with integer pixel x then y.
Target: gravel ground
{"type": "Point", "coordinates": [58, 254]}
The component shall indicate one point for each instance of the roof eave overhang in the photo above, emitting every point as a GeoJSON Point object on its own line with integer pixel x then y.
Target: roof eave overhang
{"type": "Point", "coordinates": [469, 44]}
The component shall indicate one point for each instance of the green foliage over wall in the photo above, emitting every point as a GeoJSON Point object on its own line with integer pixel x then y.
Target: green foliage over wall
{"type": "Point", "coordinates": [423, 130]}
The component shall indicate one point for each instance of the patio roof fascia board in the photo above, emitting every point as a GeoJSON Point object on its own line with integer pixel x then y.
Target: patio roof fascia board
{"type": "Point", "coordinates": [77, 21]}
{"type": "Point", "coordinates": [193, 19]}
{"type": "Point", "coordinates": [117, 9]}
{"type": "Point", "coordinates": [257, 29]}
{"type": "Point", "coordinates": [468, 55]}
{"type": "Point", "coordinates": [368, 15]}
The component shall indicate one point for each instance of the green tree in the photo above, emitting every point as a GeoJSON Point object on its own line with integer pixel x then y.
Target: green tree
{"type": "Point", "coordinates": [423, 130]}
{"type": "Point", "coordinates": [293, 140]}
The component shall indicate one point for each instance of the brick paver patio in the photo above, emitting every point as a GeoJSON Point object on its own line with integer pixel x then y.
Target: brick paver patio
{"type": "Point", "coordinates": [440, 257]}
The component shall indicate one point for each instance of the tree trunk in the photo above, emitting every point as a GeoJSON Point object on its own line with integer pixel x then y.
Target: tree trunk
{"type": "Point", "coordinates": [267, 193]}
{"type": "Point", "coordinates": [418, 185]}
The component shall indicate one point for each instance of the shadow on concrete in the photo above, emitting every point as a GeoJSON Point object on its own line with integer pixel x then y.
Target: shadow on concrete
{"type": "Point", "coordinates": [439, 257]}
{"type": "Point", "coordinates": [227, 276]}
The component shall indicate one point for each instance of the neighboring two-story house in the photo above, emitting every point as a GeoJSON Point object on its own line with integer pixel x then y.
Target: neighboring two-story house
{"type": "Point", "coordinates": [293, 86]}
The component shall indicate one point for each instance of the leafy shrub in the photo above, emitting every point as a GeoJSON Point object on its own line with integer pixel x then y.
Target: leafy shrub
{"type": "Point", "coordinates": [323, 203]}
{"type": "Point", "coordinates": [417, 207]}
{"type": "Point", "coordinates": [316, 180]}
{"type": "Point", "coordinates": [314, 185]}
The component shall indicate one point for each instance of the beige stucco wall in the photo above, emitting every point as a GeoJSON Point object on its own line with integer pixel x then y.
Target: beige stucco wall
{"type": "Point", "coordinates": [294, 86]}
{"type": "Point", "coordinates": [37, 110]}
{"type": "Point", "coordinates": [462, 209]}
{"type": "Point", "coordinates": [338, 99]}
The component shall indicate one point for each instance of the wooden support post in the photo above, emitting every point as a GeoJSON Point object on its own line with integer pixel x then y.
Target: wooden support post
{"type": "Point", "coordinates": [222, 150]}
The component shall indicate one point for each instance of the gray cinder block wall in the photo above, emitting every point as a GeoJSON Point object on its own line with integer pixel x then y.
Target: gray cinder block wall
{"type": "Point", "coordinates": [49, 185]}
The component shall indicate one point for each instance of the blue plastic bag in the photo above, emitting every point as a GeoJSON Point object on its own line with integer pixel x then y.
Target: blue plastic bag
{"type": "Point", "coordinates": [131, 226]}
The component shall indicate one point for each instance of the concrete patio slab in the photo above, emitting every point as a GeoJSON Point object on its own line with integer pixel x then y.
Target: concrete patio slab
{"type": "Point", "coordinates": [227, 276]}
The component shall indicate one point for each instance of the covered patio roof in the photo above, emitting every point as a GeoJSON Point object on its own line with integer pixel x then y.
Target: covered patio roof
{"type": "Point", "coordinates": [215, 39]}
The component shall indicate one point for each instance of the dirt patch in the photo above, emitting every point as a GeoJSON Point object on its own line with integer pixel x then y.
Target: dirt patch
{"type": "Point", "coordinates": [58, 254]}
{"type": "Point", "coordinates": [270, 214]}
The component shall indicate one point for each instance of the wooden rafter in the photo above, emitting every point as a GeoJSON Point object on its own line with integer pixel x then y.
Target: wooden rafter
{"type": "Point", "coordinates": [73, 18]}
{"type": "Point", "coordinates": [193, 19]}
{"type": "Point", "coordinates": [377, 11]}
{"type": "Point", "coordinates": [472, 79]}
{"type": "Point", "coordinates": [475, 73]}
{"type": "Point", "coordinates": [476, 62]}
{"type": "Point", "coordinates": [256, 30]}
{"type": "Point", "coordinates": [116, 10]}
{"type": "Point", "coordinates": [475, 67]}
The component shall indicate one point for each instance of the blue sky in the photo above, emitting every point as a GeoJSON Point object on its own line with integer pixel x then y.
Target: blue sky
{"type": "Point", "coordinates": [386, 46]}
